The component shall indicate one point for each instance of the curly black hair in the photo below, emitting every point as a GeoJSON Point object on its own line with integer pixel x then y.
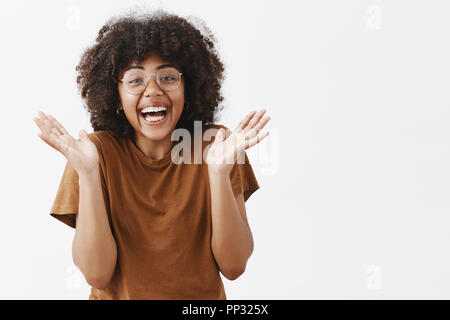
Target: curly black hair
{"type": "Point", "coordinates": [131, 38]}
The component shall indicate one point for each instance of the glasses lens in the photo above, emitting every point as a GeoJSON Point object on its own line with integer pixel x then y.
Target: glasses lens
{"type": "Point", "coordinates": [134, 81]}
{"type": "Point", "coordinates": [169, 79]}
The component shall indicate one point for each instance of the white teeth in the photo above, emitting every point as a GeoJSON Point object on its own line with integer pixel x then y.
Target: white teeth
{"type": "Point", "coordinates": [151, 119]}
{"type": "Point", "coordinates": [154, 109]}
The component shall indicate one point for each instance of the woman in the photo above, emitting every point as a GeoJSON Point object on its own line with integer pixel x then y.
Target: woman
{"type": "Point", "coordinates": [147, 227]}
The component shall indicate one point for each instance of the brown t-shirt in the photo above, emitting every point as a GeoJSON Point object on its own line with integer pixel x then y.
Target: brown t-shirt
{"type": "Point", "coordinates": [160, 217]}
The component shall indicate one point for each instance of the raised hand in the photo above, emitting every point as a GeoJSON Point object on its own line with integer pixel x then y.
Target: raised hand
{"type": "Point", "coordinates": [223, 152]}
{"type": "Point", "coordinates": [82, 154]}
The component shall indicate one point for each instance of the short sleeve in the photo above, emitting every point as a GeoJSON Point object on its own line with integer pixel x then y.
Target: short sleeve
{"type": "Point", "coordinates": [243, 179]}
{"type": "Point", "coordinates": [65, 204]}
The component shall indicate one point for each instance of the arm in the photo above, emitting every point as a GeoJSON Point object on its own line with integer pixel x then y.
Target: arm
{"type": "Point", "coordinates": [94, 249]}
{"type": "Point", "coordinates": [232, 240]}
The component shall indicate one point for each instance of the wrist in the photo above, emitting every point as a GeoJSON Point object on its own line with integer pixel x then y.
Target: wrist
{"type": "Point", "coordinates": [218, 172]}
{"type": "Point", "coordinates": [88, 174]}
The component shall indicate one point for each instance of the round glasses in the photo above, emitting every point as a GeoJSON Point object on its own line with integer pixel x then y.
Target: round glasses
{"type": "Point", "coordinates": [135, 81]}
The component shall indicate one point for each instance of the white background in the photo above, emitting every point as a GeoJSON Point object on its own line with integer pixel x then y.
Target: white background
{"type": "Point", "coordinates": [355, 203]}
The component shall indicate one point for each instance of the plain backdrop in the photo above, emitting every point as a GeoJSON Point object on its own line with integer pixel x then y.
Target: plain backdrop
{"type": "Point", "coordinates": [355, 179]}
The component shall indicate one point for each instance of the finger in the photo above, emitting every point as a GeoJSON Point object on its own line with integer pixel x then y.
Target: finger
{"type": "Point", "coordinates": [250, 143]}
{"type": "Point", "coordinates": [46, 126]}
{"type": "Point", "coordinates": [52, 125]}
{"type": "Point", "coordinates": [255, 119]}
{"type": "Point", "coordinates": [48, 141]}
{"type": "Point", "coordinates": [256, 129]}
{"type": "Point", "coordinates": [245, 121]}
{"type": "Point", "coordinates": [47, 135]}
{"type": "Point", "coordinates": [44, 119]}
{"type": "Point", "coordinates": [219, 136]}
{"type": "Point", "coordinates": [58, 125]}
{"type": "Point", "coordinates": [42, 115]}
{"type": "Point", "coordinates": [41, 124]}
{"type": "Point", "coordinates": [226, 132]}
{"type": "Point", "coordinates": [83, 134]}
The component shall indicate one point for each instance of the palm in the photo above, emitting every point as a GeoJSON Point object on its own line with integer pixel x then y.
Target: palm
{"type": "Point", "coordinates": [225, 151]}
{"type": "Point", "coordinates": [229, 147]}
{"type": "Point", "coordinates": [82, 154]}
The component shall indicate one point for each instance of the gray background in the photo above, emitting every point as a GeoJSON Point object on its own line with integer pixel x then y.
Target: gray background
{"type": "Point", "coordinates": [354, 177]}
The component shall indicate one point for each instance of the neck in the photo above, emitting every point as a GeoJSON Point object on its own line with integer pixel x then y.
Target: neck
{"type": "Point", "coordinates": [155, 150]}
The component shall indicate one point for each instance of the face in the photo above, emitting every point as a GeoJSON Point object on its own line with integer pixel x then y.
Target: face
{"type": "Point", "coordinates": [152, 96]}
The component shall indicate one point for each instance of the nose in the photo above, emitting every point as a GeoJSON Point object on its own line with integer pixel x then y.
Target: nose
{"type": "Point", "coordinates": [152, 87]}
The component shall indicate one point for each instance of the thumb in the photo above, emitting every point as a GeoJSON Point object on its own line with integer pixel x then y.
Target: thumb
{"type": "Point", "coordinates": [83, 135]}
{"type": "Point", "coordinates": [220, 135]}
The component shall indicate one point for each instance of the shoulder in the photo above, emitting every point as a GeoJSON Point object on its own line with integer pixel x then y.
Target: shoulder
{"type": "Point", "coordinates": [103, 139]}
{"type": "Point", "coordinates": [102, 136]}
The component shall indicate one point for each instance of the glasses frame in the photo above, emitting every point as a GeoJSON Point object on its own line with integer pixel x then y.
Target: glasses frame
{"type": "Point", "coordinates": [148, 77]}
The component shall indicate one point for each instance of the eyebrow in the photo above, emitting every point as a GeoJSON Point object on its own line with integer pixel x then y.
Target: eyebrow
{"type": "Point", "coordinates": [158, 68]}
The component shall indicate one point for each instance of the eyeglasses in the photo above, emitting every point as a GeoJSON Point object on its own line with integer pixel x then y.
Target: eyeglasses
{"type": "Point", "coordinates": [135, 81]}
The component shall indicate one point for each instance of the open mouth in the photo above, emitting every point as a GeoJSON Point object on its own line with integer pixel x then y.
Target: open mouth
{"type": "Point", "coordinates": [155, 116]}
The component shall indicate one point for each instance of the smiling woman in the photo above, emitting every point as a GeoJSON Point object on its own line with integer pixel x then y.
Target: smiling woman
{"type": "Point", "coordinates": [152, 105]}
{"type": "Point", "coordinates": [146, 227]}
{"type": "Point", "coordinates": [124, 43]}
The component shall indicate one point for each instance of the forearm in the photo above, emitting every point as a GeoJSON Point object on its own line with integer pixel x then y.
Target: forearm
{"type": "Point", "coordinates": [94, 248]}
{"type": "Point", "coordinates": [232, 241]}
